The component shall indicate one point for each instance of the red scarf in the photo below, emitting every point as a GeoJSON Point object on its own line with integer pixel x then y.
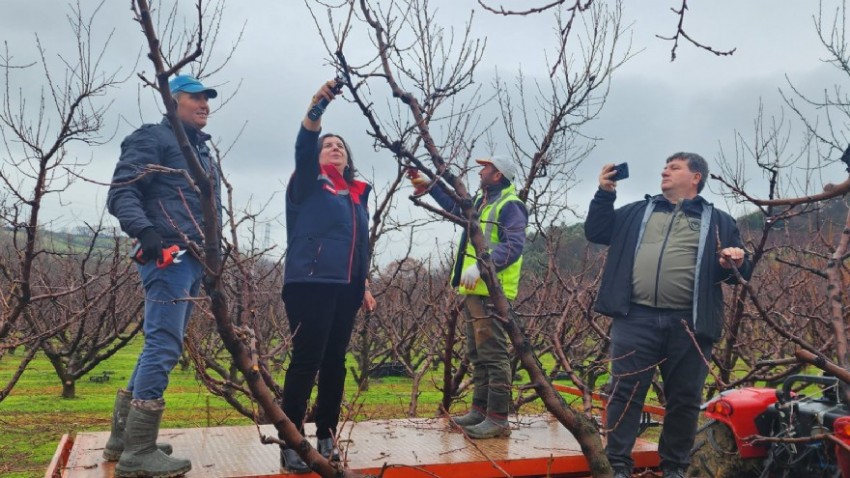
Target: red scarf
{"type": "Point", "coordinates": [355, 189]}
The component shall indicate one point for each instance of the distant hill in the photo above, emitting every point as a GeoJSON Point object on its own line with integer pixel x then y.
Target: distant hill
{"type": "Point", "coordinates": [78, 240]}
{"type": "Point", "coordinates": [570, 252]}
{"type": "Point", "coordinates": [828, 217]}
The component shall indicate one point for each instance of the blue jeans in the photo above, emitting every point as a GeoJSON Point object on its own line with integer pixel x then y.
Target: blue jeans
{"type": "Point", "coordinates": [647, 338]}
{"type": "Point", "coordinates": [167, 314]}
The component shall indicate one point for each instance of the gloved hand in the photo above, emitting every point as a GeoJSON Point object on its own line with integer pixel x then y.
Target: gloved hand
{"type": "Point", "coordinates": [420, 181]}
{"type": "Point", "coordinates": [151, 244]}
{"type": "Point", "coordinates": [470, 276]}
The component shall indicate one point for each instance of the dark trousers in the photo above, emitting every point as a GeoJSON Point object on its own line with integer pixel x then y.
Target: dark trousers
{"type": "Point", "coordinates": [321, 318]}
{"type": "Point", "coordinates": [645, 339]}
{"type": "Point", "coordinates": [487, 349]}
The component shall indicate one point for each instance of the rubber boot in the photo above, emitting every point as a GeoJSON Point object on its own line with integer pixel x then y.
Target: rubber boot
{"type": "Point", "coordinates": [141, 457]}
{"type": "Point", "coordinates": [115, 444]}
{"type": "Point", "coordinates": [328, 449]}
{"type": "Point", "coordinates": [473, 417]}
{"type": "Point", "coordinates": [496, 423]}
{"type": "Point", "coordinates": [291, 462]}
{"type": "Point", "coordinates": [491, 427]}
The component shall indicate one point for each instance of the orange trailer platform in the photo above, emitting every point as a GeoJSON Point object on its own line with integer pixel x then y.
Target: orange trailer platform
{"type": "Point", "coordinates": [420, 447]}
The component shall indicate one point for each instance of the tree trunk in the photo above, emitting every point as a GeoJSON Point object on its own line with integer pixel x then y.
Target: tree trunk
{"type": "Point", "coordinates": [581, 426]}
{"type": "Point", "coordinates": [69, 388]}
{"type": "Point", "coordinates": [258, 379]}
{"type": "Point", "coordinates": [449, 382]}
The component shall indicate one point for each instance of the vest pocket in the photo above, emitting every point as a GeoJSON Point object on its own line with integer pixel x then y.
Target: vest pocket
{"type": "Point", "coordinates": [317, 259]}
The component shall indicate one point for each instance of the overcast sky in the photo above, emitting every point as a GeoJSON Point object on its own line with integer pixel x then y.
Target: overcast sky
{"type": "Point", "coordinates": [655, 106]}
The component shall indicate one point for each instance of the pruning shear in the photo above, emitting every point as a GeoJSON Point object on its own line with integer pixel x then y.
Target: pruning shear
{"type": "Point", "coordinates": [170, 255]}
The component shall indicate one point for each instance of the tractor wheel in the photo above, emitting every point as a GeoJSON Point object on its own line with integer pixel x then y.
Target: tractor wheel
{"type": "Point", "coordinates": [715, 454]}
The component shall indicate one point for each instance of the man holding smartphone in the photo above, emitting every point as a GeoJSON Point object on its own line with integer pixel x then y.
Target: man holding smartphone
{"type": "Point", "coordinates": [662, 288]}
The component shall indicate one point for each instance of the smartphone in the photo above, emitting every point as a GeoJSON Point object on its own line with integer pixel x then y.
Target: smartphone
{"type": "Point", "coordinates": [622, 172]}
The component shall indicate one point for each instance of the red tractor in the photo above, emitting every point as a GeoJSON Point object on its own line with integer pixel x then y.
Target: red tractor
{"type": "Point", "coordinates": [800, 430]}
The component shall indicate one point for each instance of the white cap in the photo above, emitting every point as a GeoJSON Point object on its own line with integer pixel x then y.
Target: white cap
{"type": "Point", "coordinates": [501, 163]}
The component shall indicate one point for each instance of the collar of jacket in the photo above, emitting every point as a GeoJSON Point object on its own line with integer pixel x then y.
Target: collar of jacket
{"type": "Point", "coordinates": [355, 188]}
{"type": "Point", "coordinates": [689, 206]}
{"type": "Point", "coordinates": [195, 135]}
{"type": "Point", "coordinates": [492, 193]}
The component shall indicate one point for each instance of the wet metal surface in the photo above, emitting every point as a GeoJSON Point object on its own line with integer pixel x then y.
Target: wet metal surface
{"type": "Point", "coordinates": [417, 447]}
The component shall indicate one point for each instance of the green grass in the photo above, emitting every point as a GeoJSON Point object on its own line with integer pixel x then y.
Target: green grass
{"type": "Point", "coordinates": [34, 417]}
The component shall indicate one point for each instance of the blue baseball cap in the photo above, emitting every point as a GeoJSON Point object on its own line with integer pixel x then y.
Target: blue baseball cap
{"type": "Point", "coordinates": [189, 84]}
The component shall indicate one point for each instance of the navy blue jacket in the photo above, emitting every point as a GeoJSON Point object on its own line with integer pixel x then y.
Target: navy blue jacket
{"type": "Point", "coordinates": [621, 230]}
{"type": "Point", "coordinates": [327, 234]}
{"type": "Point", "coordinates": [164, 201]}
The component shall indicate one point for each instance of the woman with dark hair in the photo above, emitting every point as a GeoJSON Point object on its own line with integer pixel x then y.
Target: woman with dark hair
{"type": "Point", "coordinates": [325, 277]}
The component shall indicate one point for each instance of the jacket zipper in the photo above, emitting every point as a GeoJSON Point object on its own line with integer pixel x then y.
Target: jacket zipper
{"type": "Point", "coordinates": [663, 247]}
{"type": "Point", "coordinates": [353, 234]}
{"type": "Point", "coordinates": [313, 264]}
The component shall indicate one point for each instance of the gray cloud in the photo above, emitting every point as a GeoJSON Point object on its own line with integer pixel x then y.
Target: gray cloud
{"type": "Point", "coordinates": [655, 107]}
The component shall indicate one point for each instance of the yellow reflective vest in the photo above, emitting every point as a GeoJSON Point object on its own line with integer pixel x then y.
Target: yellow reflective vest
{"type": "Point", "coordinates": [488, 220]}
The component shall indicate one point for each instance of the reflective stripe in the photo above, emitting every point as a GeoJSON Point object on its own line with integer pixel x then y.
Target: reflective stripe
{"type": "Point", "coordinates": [509, 276]}
{"type": "Point", "coordinates": [705, 228]}
{"type": "Point", "coordinates": [331, 187]}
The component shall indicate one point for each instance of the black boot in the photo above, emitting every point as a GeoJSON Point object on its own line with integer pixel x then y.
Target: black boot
{"type": "Point", "coordinates": [291, 462]}
{"type": "Point", "coordinates": [328, 449]}
{"type": "Point", "coordinates": [622, 473]}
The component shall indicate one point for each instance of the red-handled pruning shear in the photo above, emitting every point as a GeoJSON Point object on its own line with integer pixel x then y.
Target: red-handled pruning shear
{"type": "Point", "coordinates": [170, 255]}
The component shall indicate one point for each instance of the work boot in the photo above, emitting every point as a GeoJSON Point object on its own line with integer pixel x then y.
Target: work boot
{"type": "Point", "coordinates": [674, 473]}
{"type": "Point", "coordinates": [291, 462]}
{"type": "Point", "coordinates": [472, 417]}
{"type": "Point", "coordinates": [141, 457]}
{"type": "Point", "coordinates": [328, 449]}
{"type": "Point", "coordinates": [115, 444]}
{"type": "Point", "coordinates": [491, 427]}
{"type": "Point", "coordinates": [622, 473]}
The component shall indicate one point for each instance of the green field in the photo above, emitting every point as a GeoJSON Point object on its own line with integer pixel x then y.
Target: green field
{"type": "Point", "coordinates": [34, 417]}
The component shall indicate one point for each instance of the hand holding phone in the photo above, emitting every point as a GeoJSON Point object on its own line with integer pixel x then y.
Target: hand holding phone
{"type": "Point", "coordinates": [622, 172]}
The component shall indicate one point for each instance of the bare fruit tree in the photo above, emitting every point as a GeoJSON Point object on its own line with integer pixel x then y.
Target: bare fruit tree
{"type": "Point", "coordinates": [102, 317]}
{"type": "Point", "coordinates": [801, 232]}
{"type": "Point", "coordinates": [238, 340]}
{"type": "Point", "coordinates": [37, 164]}
{"type": "Point", "coordinates": [577, 6]}
{"type": "Point", "coordinates": [435, 126]}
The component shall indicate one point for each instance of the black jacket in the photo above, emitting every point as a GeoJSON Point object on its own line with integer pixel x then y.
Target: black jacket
{"type": "Point", "coordinates": [620, 229]}
{"type": "Point", "coordinates": [164, 201]}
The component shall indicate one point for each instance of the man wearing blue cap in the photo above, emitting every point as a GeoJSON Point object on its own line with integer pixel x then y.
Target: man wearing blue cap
{"type": "Point", "coordinates": [163, 213]}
